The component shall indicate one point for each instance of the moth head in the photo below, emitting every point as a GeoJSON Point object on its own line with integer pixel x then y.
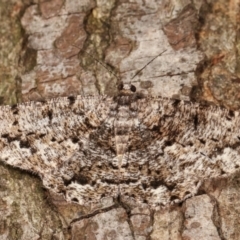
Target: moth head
{"type": "Point", "coordinates": [128, 87]}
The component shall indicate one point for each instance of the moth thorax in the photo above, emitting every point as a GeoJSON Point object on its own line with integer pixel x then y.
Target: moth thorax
{"type": "Point", "coordinates": [124, 100]}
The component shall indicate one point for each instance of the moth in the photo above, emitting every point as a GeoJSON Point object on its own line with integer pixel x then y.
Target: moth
{"type": "Point", "coordinates": [147, 149]}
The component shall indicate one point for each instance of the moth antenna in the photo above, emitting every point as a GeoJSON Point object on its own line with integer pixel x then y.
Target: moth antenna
{"type": "Point", "coordinates": [147, 64]}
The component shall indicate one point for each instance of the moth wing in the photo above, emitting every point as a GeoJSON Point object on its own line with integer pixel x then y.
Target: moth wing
{"type": "Point", "coordinates": [66, 141]}
{"type": "Point", "coordinates": [175, 145]}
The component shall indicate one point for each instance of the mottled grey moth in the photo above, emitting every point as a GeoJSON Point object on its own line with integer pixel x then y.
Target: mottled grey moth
{"type": "Point", "coordinates": [151, 150]}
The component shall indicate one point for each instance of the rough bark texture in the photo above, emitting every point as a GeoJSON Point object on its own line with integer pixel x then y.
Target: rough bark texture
{"type": "Point", "coordinates": [48, 49]}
